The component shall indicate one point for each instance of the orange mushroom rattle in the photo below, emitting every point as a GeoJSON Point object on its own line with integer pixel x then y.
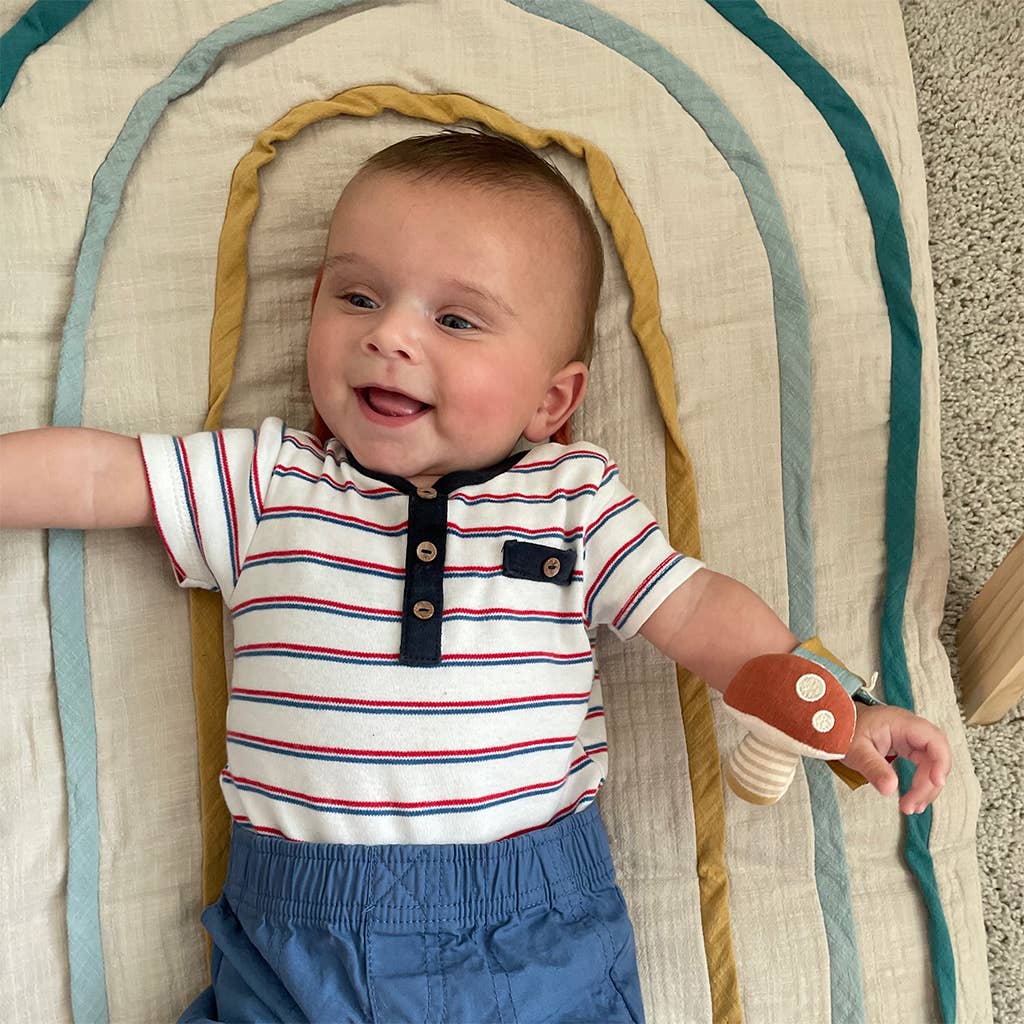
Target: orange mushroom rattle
{"type": "Point", "coordinates": [792, 707]}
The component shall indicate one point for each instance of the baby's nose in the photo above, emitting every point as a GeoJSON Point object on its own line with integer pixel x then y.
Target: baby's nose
{"type": "Point", "coordinates": [392, 339]}
{"type": "Point", "coordinates": [389, 349]}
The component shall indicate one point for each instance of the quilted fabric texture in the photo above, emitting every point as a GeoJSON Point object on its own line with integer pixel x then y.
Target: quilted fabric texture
{"type": "Point", "coordinates": [717, 241]}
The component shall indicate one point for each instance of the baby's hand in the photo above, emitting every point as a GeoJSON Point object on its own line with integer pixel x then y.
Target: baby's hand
{"type": "Point", "coordinates": [883, 732]}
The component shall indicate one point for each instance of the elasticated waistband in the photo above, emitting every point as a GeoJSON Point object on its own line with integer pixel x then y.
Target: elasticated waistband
{"type": "Point", "coordinates": [457, 884]}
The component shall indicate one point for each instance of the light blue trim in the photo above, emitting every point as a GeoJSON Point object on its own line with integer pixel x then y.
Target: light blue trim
{"type": "Point", "coordinates": [66, 553]}
{"type": "Point", "coordinates": [792, 333]}
{"type": "Point", "coordinates": [851, 683]}
{"type": "Point", "coordinates": [66, 585]}
{"type": "Point", "coordinates": [726, 134]}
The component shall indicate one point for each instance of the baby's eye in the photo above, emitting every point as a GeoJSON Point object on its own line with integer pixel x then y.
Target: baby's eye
{"type": "Point", "coordinates": [456, 323]}
{"type": "Point", "coordinates": [360, 301]}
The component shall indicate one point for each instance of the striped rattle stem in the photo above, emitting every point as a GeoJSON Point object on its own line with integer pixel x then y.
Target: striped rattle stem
{"type": "Point", "coordinates": [758, 772]}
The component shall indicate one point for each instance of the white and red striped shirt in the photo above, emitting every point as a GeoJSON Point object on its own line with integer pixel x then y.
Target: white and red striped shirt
{"type": "Point", "coordinates": [385, 694]}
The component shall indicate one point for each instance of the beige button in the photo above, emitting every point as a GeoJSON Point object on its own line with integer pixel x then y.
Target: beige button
{"type": "Point", "coordinates": [426, 552]}
{"type": "Point", "coordinates": [823, 721]}
{"type": "Point", "coordinates": [423, 610]}
{"type": "Point", "coordinates": [426, 492]}
{"type": "Point", "coordinates": [810, 687]}
{"type": "Point", "coordinates": [551, 567]}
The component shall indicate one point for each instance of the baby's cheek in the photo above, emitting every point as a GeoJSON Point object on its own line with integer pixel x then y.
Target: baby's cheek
{"type": "Point", "coordinates": [482, 390]}
{"type": "Point", "coordinates": [479, 418]}
{"type": "Point", "coordinates": [485, 414]}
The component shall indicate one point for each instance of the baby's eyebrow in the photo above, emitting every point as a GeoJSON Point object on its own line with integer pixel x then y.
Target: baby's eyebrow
{"type": "Point", "coordinates": [483, 293]}
{"type": "Point", "coordinates": [341, 259]}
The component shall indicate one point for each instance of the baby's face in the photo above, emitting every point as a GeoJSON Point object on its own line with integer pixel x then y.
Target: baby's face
{"type": "Point", "coordinates": [445, 321]}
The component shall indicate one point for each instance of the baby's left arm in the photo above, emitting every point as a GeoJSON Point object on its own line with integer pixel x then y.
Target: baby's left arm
{"type": "Point", "coordinates": [713, 625]}
{"type": "Point", "coordinates": [883, 732]}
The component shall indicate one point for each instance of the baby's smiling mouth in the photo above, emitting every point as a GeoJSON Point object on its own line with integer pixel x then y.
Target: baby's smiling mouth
{"type": "Point", "coordinates": [386, 402]}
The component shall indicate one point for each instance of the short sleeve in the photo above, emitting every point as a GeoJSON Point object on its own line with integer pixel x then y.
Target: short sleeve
{"type": "Point", "coordinates": [629, 566]}
{"type": "Point", "coordinates": [207, 492]}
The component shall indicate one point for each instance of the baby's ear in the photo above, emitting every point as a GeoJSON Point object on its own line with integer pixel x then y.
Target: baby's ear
{"type": "Point", "coordinates": [563, 396]}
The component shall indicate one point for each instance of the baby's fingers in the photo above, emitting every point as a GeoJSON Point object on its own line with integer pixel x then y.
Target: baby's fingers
{"type": "Point", "coordinates": [932, 764]}
{"type": "Point", "coordinates": [923, 790]}
{"type": "Point", "coordinates": [937, 766]}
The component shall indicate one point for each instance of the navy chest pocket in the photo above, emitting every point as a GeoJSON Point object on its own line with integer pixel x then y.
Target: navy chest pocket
{"type": "Point", "coordinates": [524, 561]}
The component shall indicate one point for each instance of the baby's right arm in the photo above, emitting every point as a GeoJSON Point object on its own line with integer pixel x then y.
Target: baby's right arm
{"type": "Point", "coordinates": [73, 478]}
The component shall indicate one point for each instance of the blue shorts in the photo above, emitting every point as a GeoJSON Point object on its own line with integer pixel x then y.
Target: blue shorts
{"type": "Point", "coordinates": [525, 930]}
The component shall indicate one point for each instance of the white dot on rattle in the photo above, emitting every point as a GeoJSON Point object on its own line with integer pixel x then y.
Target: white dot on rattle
{"type": "Point", "coordinates": [810, 687]}
{"type": "Point", "coordinates": [823, 721]}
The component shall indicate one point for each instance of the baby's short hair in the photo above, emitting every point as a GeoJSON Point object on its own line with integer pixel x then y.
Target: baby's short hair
{"type": "Point", "coordinates": [495, 161]}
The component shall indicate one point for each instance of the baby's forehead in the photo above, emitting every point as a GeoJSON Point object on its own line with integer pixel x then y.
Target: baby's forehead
{"type": "Point", "coordinates": [532, 220]}
{"type": "Point", "coordinates": [529, 196]}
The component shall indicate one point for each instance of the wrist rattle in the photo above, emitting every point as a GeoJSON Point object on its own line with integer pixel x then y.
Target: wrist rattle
{"type": "Point", "coordinates": [792, 705]}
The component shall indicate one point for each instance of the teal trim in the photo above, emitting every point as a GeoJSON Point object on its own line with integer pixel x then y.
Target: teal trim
{"type": "Point", "coordinates": [883, 206]}
{"type": "Point", "coordinates": [38, 25]}
{"type": "Point", "coordinates": [793, 342]}
{"type": "Point", "coordinates": [66, 554]}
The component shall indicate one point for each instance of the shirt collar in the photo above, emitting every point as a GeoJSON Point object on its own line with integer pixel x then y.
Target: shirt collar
{"type": "Point", "coordinates": [447, 483]}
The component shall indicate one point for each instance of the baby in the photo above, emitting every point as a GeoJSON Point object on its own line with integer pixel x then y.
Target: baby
{"type": "Point", "coordinates": [415, 735]}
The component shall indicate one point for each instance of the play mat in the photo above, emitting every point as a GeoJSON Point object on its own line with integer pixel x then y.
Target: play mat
{"type": "Point", "coordinates": [765, 375]}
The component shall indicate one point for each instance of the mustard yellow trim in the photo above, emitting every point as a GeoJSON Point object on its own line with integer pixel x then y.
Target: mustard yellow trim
{"type": "Point", "coordinates": [815, 646]}
{"type": "Point", "coordinates": [853, 779]}
{"type": "Point", "coordinates": [683, 528]}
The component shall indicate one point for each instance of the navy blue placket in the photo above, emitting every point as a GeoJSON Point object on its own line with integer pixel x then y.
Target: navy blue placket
{"type": "Point", "coordinates": [423, 600]}
{"type": "Point", "coordinates": [423, 597]}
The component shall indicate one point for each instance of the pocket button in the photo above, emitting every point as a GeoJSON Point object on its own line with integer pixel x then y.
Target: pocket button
{"type": "Point", "coordinates": [551, 567]}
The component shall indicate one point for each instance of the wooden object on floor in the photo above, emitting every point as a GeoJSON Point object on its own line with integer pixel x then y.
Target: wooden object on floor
{"type": "Point", "coordinates": [990, 640]}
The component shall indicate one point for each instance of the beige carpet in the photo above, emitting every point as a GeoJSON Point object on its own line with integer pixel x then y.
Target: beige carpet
{"type": "Point", "coordinates": [968, 60]}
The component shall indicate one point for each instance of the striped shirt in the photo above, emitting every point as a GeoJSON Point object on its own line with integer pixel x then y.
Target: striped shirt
{"type": "Point", "coordinates": [410, 665]}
